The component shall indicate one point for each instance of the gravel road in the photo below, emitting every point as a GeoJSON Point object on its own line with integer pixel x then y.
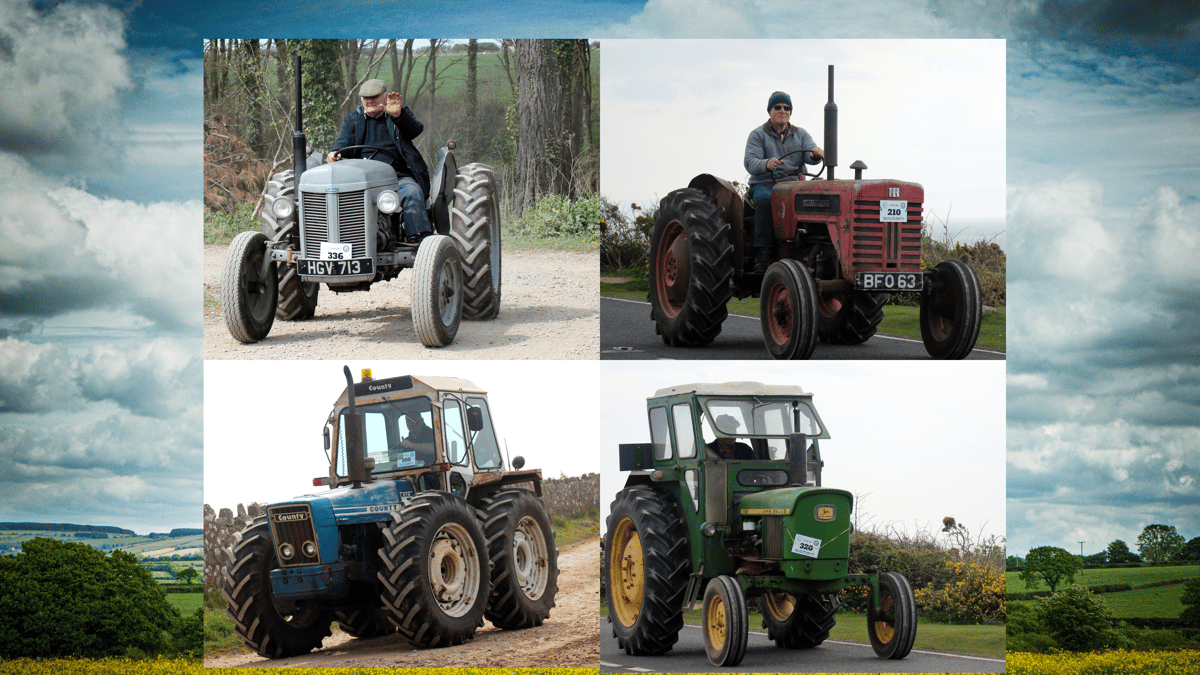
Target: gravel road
{"type": "Point", "coordinates": [550, 309]}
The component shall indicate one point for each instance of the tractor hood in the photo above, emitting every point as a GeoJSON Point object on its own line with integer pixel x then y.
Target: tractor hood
{"type": "Point", "coordinates": [806, 529]}
{"type": "Point", "coordinates": [347, 505]}
{"type": "Point", "coordinates": [348, 175]}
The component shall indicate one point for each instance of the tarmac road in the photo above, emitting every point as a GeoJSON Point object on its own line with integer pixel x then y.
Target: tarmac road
{"type": "Point", "coordinates": [762, 656]}
{"type": "Point", "coordinates": [627, 332]}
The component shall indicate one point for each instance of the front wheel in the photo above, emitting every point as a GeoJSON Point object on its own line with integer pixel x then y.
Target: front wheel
{"type": "Point", "coordinates": [249, 291]}
{"type": "Point", "coordinates": [435, 570]}
{"type": "Point", "coordinates": [893, 629]}
{"type": "Point", "coordinates": [788, 310]}
{"type": "Point", "coordinates": [437, 294]}
{"type": "Point", "coordinates": [951, 311]}
{"type": "Point", "coordinates": [850, 318]}
{"type": "Point", "coordinates": [725, 626]}
{"type": "Point", "coordinates": [297, 298]}
{"type": "Point", "coordinates": [273, 629]}
{"type": "Point", "coordinates": [524, 560]}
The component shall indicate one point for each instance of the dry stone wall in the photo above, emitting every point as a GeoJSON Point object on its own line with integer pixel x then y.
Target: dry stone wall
{"type": "Point", "coordinates": [568, 496]}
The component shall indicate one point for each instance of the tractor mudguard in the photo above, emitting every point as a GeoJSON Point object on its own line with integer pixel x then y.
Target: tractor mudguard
{"type": "Point", "coordinates": [441, 192]}
{"type": "Point", "coordinates": [731, 203]}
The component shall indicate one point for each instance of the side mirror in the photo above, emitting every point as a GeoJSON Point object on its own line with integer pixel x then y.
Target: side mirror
{"type": "Point", "coordinates": [474, 418]}
{"type": "Point", "coordinates": [325, 433]}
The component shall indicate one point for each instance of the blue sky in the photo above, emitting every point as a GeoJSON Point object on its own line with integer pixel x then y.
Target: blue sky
{"type": "Point", "coordinates": [1102, 128]}
{"type": "Point", "coordinates": [100, 362]}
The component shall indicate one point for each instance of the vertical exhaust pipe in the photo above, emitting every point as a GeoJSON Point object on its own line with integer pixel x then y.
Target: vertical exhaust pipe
{"type": "Point", "coordinates": [352, 431]}
{"type": "Point", "coordinates": [299, 142]}
{"type": "Point", "coordinates": [830, 129]}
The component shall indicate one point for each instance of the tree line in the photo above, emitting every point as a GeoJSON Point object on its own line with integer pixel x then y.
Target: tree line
{"type": "Point", "coordinates": [526, 107]}
{"type": "Point", "coordinates": [1157, 544]}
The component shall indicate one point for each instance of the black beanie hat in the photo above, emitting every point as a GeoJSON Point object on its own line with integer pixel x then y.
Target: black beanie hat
{"type": "Point", "coordinates": [778, 97]}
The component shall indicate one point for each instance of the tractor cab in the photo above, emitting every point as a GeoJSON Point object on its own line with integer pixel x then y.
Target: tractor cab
{"type": "Point", "coordinates": [435, 432]}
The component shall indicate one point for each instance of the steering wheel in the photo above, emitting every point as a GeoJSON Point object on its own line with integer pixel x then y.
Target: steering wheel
{"type": "Point", "coordinates": [802, 165]}
{"type": "Point", "coordinates": [390, 152]}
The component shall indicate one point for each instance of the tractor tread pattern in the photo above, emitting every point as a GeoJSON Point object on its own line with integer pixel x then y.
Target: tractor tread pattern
{"type": "Point", "coordinates": [808, 626]}
{"type": "Point", "coordinates": [667, 565]}
{"type": "Point", "coordinates": [856, 322]}
{"type": "Point", "coordinates": [508, 606]}
{"type": "Point", "coordinates": [294, 303]}
{"type": "Point", "coordinates": [475, 227]}
{"type": "Point", "coordinates": [406, 597]}
{"type": "Point", "coordinates": [710, 269]}
{"type": "Point", "coordinates": [245, 581]}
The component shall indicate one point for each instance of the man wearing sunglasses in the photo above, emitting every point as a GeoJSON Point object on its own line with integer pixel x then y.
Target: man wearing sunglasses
{"type": "Point", "coordinates": [770, 160]}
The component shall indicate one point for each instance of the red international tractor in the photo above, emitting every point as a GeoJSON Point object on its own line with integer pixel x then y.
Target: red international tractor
{"type": "Point", "coordinates": [841, 247]}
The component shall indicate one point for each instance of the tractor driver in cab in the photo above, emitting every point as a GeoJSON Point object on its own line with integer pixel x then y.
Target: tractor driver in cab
{"type": "Point", "coordinates": [420, 438]}
{"type": "Point", "coordinates": [773, 155]}
{"type": "Point", "coordinates": [728, 448]}
{"type": "Point", "coordinates": [384, 121]}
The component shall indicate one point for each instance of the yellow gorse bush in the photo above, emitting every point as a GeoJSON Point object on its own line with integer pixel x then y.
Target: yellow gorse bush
{"type": "Point", "coordinates": [974, 595]}
{"type": "Point", "coordinates": [1104, 663]}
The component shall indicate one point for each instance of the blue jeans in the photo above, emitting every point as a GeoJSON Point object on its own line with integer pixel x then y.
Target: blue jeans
{"type": "Point", "coordinates": [763, 234]}
{"type": "Point", "coordinates": [412, 205]}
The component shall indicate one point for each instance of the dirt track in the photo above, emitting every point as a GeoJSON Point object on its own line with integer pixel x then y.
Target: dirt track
{"type": "Point", "coordinates": [549, 309]}
{"type": "Point", "coordinates": [568, 639]}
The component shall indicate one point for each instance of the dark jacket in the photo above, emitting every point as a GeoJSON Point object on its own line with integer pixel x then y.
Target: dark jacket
{"type": "Point", "coordinates": [403, 130]}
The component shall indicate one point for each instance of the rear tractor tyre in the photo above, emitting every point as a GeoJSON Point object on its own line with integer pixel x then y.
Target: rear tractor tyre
{"type": "Point", "coordinates": [272, 629]}
{"type": "Point", "coordinates": [248, 290]}
{"type": "Point", "coordinates": [475, 227]}
{"type": "Point", "coordinates": [894, 629]}
{"type": "Point", "coordinates": [435, 570]}
{"type": "Point", "coordinates": [850, 318]}
{"type": "Point", "coordinates": [724, 622]}
{"type": "Point", "coordinates": [951, 311]}
{"type": "Point", "coordinates": [437, 295]}
{"type": "Point", "coordinates": [798, 621]}
{"type": "Point", "coordinates": [689, 267]}
{"type": "Point", "coordinates": [297, 298]}
{"type": "Point", "coordinates": [364, 623]}
{"type": "Point", "coordinates": [645, 569]}
{"type": "Point", "coordinates": [788, 310]}
{"type": "Point", "coordinates": [524, 560]}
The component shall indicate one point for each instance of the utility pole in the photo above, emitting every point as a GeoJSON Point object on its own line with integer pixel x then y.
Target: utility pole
{"type": "Point", "coordinates": [1081, 558]}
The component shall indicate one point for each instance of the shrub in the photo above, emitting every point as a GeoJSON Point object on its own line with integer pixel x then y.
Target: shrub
{"type": "Point", "coordinates": [624, 242]}
{"type": "Point", "coordinates": [556, 216]}
{"type": "Point", "coordinates": [973, 595]}
{"type": "Point", "coordinates": [1077, 620]}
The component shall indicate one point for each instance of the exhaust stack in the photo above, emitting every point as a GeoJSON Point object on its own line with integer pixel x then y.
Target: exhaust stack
{"type": "Point", "coordinates": [299, 142]}
{"type": "Point", "coordinates": [830, 129]}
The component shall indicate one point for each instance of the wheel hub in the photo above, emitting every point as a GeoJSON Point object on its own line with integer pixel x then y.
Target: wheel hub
{"type": "Point", "coordinates": [453, 570]}
{"type": "Point", "coordinates": [779, 307]}
{"type": "Point", "coordinates": [530, 558]}
{"type": "Point", "coordinates": [627, 581]}
{"type": "Point", "coordinates": [715, 622]}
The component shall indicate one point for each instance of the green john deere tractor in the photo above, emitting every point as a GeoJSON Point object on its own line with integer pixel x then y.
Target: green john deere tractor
{"type": "Point", "coordinates": [740, 517]}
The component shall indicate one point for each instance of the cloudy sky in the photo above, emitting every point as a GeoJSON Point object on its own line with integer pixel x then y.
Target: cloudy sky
{"type": "Point", "coordinates": [927, 111]}
{"type": "Point", "coordinates": [893, 427]}
{"type": "Point", "coordinates": [269, 449]}
{"type": "Point", "coordinates": [100, 362]}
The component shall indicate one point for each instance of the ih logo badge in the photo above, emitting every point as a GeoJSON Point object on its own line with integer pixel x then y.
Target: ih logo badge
{"type": "Point", "coordinates": [893, 192]}
{"type": "Point", "coordinates": [825, 513]}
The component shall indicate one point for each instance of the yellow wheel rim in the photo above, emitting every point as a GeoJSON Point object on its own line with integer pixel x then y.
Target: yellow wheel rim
{"type": "Point", "coordinates": [626, 572]}
{"type": "Point", "coordinates": [714, 622]}
{"type": "Point", "coordinates": [884, 629]}
{"type": "Point", "coordinates": [781, 606]}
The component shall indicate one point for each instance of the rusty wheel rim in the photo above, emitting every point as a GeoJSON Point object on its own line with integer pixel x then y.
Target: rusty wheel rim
{"type": "Point", "coordinates": [671, 268]}
{"type": "Point", "coordinates": [780, 318]}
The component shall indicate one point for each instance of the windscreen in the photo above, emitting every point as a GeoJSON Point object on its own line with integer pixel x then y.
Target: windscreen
{"type": "Point", "coordinates": [398, 435]}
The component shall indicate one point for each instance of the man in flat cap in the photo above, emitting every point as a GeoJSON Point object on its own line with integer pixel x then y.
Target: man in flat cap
{"type": "Point", "coordinates": [765, 150]}
{"type": "Point", "coordinates": [384, 121]}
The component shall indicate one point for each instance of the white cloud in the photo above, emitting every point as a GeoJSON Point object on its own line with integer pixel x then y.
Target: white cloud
{"type": "Point", "coordinates": [63, 72]}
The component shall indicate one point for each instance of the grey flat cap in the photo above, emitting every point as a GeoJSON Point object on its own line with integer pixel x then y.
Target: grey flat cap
{"type": "Point", "coordinates": [372, 88]}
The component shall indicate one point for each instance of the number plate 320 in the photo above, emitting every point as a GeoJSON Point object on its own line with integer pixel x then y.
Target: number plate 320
{"type": "Point", "coordinates": [890, 282]}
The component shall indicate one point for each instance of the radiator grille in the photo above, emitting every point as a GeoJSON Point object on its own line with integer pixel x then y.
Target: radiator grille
{"type": "Point", "coordinates": [772, 537]}
{"type": "Point", "coordinates": [349, 210]}
{"type": "Point", "coordinates": [293, 525]}
{"type": "Point", "coordinates": [886, 246]}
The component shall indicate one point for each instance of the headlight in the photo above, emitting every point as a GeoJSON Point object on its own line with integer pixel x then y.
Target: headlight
{"type": "Point", "coordinates": [283, 207]}
{"type": "Point", "coordinates": [310, 549]}
{"type": "Point", "coordinates": [388, 201]}
{"type": "Point", "coordinates": [286, 551]}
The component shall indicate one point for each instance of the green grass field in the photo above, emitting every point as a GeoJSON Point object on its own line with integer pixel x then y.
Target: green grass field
{"type": "Point", "coordinates": [1136, 576]}
{"type": "Point", "coordinates": [186, 603]}
{"type": "Point", "coordinates": [897, 320]}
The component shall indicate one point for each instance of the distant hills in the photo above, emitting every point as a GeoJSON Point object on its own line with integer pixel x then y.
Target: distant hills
{"type": "Point", "coordinates": [67, 527]}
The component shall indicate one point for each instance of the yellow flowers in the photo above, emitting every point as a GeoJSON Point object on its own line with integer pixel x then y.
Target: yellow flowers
{"type": "Point", "coordinates": [183, 667]}
{"type": "Point", "coordinates": [974, 595]}
{"type": "Point", "coordinates": [1104, 663]}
